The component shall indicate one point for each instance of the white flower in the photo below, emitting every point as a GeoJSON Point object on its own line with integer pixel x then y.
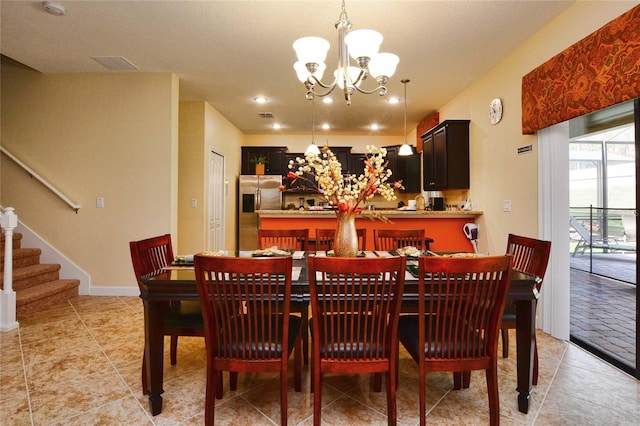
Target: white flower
{"type": "Point", "coordinates": [324, 173]}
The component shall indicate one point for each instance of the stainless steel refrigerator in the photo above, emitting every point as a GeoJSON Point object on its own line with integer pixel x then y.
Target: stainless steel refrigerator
{"type": "Point", "coordinates": [255, 192]}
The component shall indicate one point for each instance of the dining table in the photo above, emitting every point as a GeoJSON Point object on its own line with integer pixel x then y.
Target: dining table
{"type": "Point", "coordinates": [177, 282]}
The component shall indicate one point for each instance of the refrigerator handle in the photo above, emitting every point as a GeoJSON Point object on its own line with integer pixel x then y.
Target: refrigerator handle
{"type": "Point", "coordinates": [258, 199]}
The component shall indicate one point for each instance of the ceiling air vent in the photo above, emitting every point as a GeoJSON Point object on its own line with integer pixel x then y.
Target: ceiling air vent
{"type": "Point", "coordinates": [115, 63]}
{"type": "Point", "coordinates": [265, 114]}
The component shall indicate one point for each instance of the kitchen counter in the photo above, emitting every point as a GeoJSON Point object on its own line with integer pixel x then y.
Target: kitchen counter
{"type": "Point", "coordinates": [445, 227]}
{"type": "Point", "coordinates": [471, 214]}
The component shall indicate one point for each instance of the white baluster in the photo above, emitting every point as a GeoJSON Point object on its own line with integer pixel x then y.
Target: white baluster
{"type": "Point", "coordinates": [9, 221]}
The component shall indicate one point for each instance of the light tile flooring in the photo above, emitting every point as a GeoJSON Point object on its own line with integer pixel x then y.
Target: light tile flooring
{"type": "Point", "coordinates": [79, 364]}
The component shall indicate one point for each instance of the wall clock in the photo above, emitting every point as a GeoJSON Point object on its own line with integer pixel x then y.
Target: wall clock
{"type": "Point", "coordinates": [495, 111]}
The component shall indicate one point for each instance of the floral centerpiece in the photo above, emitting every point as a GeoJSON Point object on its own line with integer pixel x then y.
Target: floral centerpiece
{"type": "Point", "coordinates": [323, 175]}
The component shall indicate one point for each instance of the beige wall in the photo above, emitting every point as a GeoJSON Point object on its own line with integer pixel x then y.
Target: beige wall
{"type": "Point", "coordinates": [202, 130]}
{"type": "Point", "coordinates": [92, 135]}
{"type": "Point", "coordinates": [497, 171]}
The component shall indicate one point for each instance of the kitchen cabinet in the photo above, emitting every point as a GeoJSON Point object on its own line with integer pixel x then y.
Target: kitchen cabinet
{"type": "Point", "coordinates": [276, 157]}
{"type": "Point", "coordinates": [445, 156]}
{"type": "Point", "coordinates": [356, 163]}
{"type": "Point", "coordinates": [404, 168]}
{"type": "Point", "coordinates": [300, 185]}
{"type": "Point", "coordinates": [343, 154]}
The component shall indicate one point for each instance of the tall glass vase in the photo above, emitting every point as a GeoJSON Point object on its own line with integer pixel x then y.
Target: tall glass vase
{"type": "Point", "coordinates": [345, 243]}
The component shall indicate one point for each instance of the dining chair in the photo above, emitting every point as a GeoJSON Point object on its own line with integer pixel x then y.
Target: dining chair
{"type": "Point", "coordinates": [182, 318]}
{"type": "Point", "coordinates": [391, 239]}
{"type": "Point", "coordinates": [456, 329]}
{"type": "Point", "coordinates": [245, 304]}
{"type": "Point", "coordinates": [532, 256]}
{"type": "Point", "coordinates": [297, 240]}
{"type": "Point", "coordinates": [324, 239]}
{"type": "Point", "coordinates": [284, 239]}
{"type": "Point", "coordinates": [355, 304]}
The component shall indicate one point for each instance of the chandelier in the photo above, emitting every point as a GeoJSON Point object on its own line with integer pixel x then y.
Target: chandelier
{"type": "Point", "coordinates": [363, 46]}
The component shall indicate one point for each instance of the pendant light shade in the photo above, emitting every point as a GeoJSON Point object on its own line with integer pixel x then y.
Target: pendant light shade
{"type": "Point", "coordinates": [405, 149]}
{"type": "Point", "coordinates": [312, 148]}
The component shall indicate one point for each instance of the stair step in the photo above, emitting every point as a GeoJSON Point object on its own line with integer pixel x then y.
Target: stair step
{"type": "Point", "coordinates": [17, 240]}
{"type": "Point", "coordinates": [36, 298]}
{"type": "Point", "coordinates": [23, 257]}
{"type": "Point", "coordinates": [34, 275]}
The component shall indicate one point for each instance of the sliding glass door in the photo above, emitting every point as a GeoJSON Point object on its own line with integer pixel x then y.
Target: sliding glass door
{"type": "Point", "coordinates": [603, 185]}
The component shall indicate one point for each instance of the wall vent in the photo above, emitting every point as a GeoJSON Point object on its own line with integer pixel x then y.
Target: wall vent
{"type": "Point", "coordinates": [266, 114]}
{"type": "Point", "coordinates": [115, 63]}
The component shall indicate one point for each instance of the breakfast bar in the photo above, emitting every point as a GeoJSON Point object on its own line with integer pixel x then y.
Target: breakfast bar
{"type": "Point", "coordinates": [444, 227]}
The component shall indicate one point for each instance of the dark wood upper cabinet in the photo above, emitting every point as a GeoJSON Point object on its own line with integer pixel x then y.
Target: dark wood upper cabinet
{"type": "Point", "coordinates": [276, 156]}
{"type": "Point", "coordinates": [343, 154]}
{"type": "Point", "coordinates": [404, 168]}
{"type": "Point", "coordinates": [445, 154]}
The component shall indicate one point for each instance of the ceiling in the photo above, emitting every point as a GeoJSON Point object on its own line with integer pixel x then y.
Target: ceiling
{"type": "Point", "coordinates": [229, 52]}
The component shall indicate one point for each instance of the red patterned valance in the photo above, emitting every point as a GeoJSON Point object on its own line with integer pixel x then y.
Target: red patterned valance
{"type": "Point", "coordinates": [601, 70]}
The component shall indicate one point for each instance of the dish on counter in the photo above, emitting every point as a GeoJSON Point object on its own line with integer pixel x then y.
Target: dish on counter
{"type": "Point", "coordinates": [408, 251]}
{"type": "Point", "coordinates": [360, 253]}
{"type": "Point", "coordinates": [464, 255]}
{"type": "Point", "coordinates": [183, 260]}
{"type": "Point", "coordinates": [271, 251]}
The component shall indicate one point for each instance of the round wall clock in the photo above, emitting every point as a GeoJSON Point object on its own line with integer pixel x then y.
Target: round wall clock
{"type": "Point", "coordinates": [495, 111]}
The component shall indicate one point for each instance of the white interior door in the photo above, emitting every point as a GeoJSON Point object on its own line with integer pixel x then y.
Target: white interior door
{"type": "Point", "coordinates": [216, 202]}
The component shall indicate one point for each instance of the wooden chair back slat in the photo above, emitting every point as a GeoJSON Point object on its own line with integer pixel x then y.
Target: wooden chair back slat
{"type": "Point", "coordinates": [325, 238]}
{"type": "Point", "coordinates": [284, 239]}
{"type": "Point", "coordinates": [391, 239]}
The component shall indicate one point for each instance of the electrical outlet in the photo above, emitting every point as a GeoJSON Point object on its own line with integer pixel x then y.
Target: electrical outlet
{"type": "Point", "coordinates": [100, 202]}
{"type": "Point", "coordinates": [194, 203]}
{"type": "Point", "coordinates": [506, 205]}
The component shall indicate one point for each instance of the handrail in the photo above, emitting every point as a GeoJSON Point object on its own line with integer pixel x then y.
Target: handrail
{"type": "Point", "coordinates": [40, 179]}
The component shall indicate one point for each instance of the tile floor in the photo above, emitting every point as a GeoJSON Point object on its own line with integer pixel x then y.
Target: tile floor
{"type": "Point", "coordinates": [79, 364]}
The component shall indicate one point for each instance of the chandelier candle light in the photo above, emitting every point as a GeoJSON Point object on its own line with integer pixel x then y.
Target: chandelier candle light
{"type": "Point", "coordinates": [347, 193]}
{"type": "Point", "coordinates": [363, 46]}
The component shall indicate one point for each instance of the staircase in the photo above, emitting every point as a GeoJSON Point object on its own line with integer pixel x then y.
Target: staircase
{"type": "Point", "coordinates": [37, 285]}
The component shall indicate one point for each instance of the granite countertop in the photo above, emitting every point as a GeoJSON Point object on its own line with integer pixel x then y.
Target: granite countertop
{"type": "Point", "coordinates": [387, 213]}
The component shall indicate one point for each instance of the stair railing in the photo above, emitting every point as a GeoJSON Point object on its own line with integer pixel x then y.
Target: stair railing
{"type": "Point", "coordinates": [8, 221]}
{"type": "Point", "coordinates": [41, 179]}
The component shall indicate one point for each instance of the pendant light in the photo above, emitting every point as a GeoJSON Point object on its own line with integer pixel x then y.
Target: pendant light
{"type": "Point", "coordinates": [405, 149]}
{"type": "Point", "coordinates": [312, 148]}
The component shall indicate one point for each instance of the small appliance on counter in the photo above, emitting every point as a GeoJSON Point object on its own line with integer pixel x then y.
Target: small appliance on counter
{"type": "Point", "coordinates": [437, 204]}
{"type": "Point", "coordinates": [436, 200]}
{"type": "Point", "coordinates": [471, 231]}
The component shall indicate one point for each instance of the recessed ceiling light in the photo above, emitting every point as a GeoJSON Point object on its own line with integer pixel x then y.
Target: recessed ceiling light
{"type": "Point", "coordinates": [375, 126]}
{"type": "Point", "coordinates": [260, 99]}
{"type": "Point", "coordinates": [327, 100]}
{"type": "Point", "coordinates": [325, 126]}
{"type": "Point", "coordinates": [54, 8]}
{"type": "Point", "coordinates": [276, 126]}
{"type": "Point", "coordinates": [394, 100]}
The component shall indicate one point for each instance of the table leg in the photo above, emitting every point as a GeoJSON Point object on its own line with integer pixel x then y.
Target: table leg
{"type": "Point", "coordinates": [154, 352]}
{"type": "Point", "coordinates": [525, 338]}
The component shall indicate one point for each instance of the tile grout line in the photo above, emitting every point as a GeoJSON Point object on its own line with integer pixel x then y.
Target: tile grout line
{"type": "Point", "coordinates": [110, 362]}
{"type": "Point", "coordinates": [551, 382]}
{"type": "Point", "coordinates": [24, 375]}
